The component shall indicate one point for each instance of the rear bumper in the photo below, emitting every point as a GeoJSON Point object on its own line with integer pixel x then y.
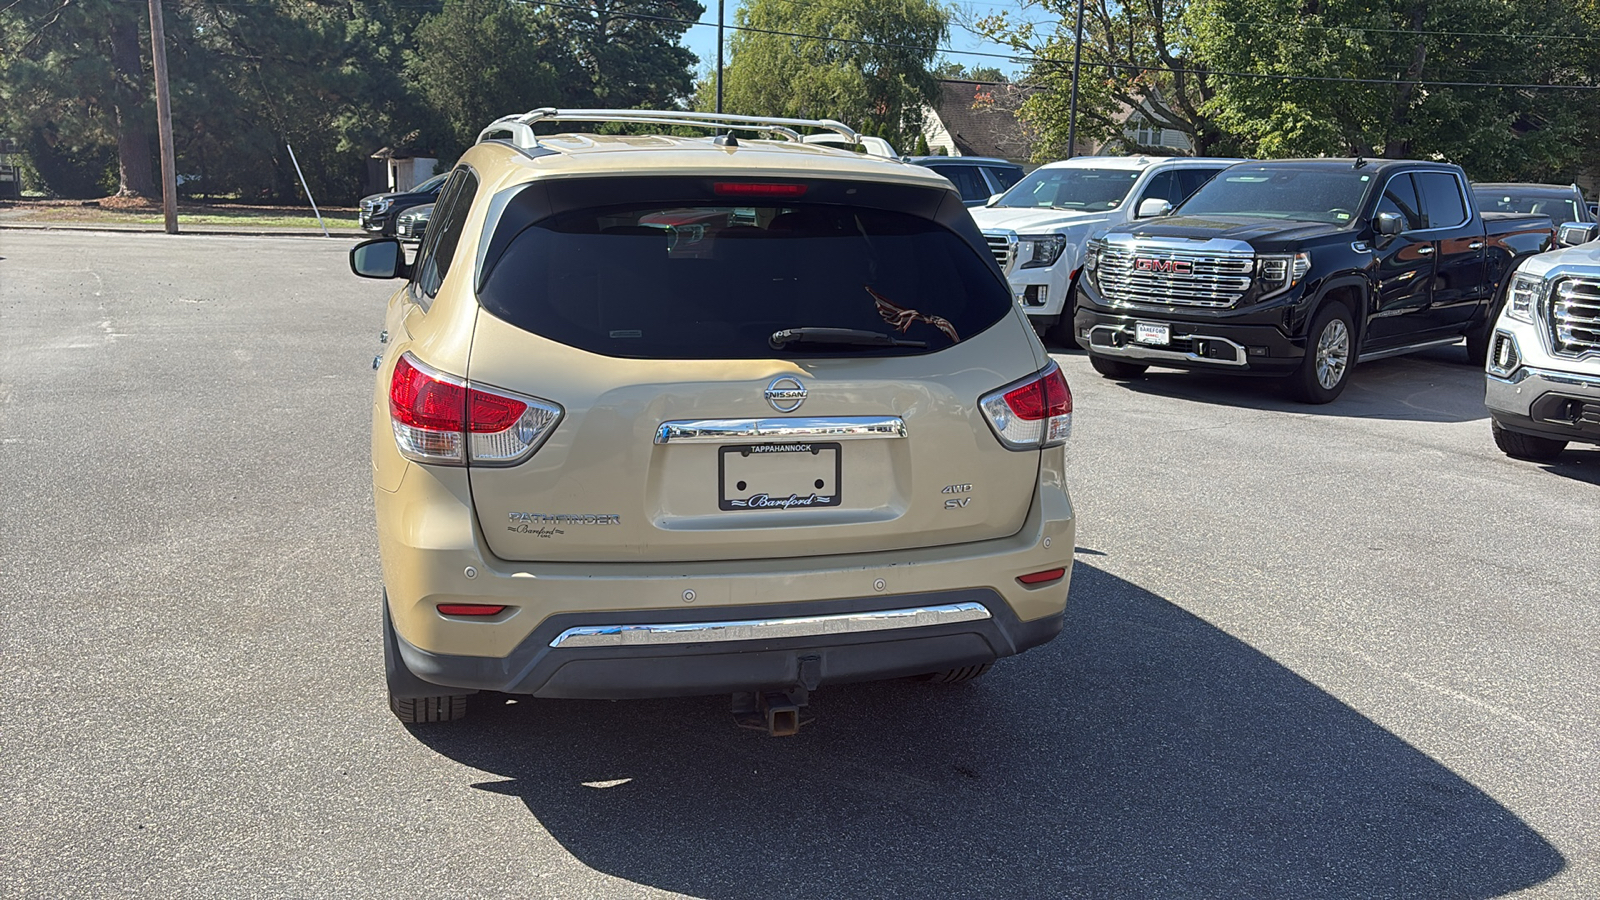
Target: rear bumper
{"type": "Point", "coordinates": [666, 653]}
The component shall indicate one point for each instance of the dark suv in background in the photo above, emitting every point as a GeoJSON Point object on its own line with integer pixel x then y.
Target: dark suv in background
{"type": "Point", "coordinates": [379, 211]}
{"type": "Point", "coordinates": [977, 178]}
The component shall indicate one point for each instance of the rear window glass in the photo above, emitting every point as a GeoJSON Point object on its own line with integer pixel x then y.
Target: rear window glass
{"type": "Point", "coordinates": [718, 281]}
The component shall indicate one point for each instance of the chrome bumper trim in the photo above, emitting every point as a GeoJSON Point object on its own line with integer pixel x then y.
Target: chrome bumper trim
{"type": "Point", "coordinates": [838, 428]}
{"type": "Point", "coordinates": [1517, 392]}
{"type": "Point", "coordinates": [1147, 351]}
{"type": "Point", "coordinates": [769, 629]}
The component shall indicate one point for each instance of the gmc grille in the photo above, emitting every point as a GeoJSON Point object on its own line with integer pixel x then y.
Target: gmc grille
{"type": "Point", "coordinates": [1575, 316]}
{"type": "Point", "coordinates": [1001, 246]}
{"type": "Point", "coordinates": [1207, 279]}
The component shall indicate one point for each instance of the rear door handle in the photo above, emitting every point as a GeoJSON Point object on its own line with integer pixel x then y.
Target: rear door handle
{"type": "Point", "coordinates": [1424, 251]}
{"type": "Point", "coordinates": [1475, 245]}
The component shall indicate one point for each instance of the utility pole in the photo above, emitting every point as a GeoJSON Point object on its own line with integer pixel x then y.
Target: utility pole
{"type": "Point", "coordinates": [1072, 112]}
{"type": "Point", "coordinates": [719, 55]}
{"type": "Point", "coordinates": [169, 164]}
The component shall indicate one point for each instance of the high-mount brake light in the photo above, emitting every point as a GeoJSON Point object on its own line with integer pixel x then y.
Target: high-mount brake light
{"type": "Point", "coordinates": [470, 609]}
{"type": "Point", "coordinates": [439, 419]}
{"type": "Point", "coordinates": [757, 189]}
{"type": "Point", "coordinates": [1033, 413]}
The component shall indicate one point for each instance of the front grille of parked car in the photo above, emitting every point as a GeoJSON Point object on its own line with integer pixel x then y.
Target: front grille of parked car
{"type": "Point", "coordinates": [1575, 316]}
{"type": "Point", "coordinates": [1001, 245]}
{"type": "Point", "coordinates": [1200, 279]}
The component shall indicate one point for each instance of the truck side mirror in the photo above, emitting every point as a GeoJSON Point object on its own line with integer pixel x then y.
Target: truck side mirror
{"type": "Point", "coordinates": [1574, 233]}
{"type": "Point", "coordinates": [1388, 224]}
{"type": "Point", "coordinates": [994, 198]}
{"type": "Point", "coordinates": [1151, 207]}
{"type": "Point", "coordinates": [380, 258]}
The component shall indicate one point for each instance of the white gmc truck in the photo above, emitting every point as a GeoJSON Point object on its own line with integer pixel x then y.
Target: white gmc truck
{"type": "Point", "coordinates": [1038, 229]}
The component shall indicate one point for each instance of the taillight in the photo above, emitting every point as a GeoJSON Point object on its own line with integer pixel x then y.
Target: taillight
{"type": "Point", "coordinates": [1033, 413]}
{"type": "Point", "coordinates": [440, 419]}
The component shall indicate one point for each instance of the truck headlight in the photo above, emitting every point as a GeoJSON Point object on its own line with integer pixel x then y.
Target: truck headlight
{"type": "Point", "coordinates": [1524, 295]}
{"type": "Point", "coordinates": [382, 206]}
{"type": "Point", "coordinates": [1278, 273]}
{"type": "Point", "coordinates": [1091, 259]}
{"type": "Point", "coordinates": [1040, 250]}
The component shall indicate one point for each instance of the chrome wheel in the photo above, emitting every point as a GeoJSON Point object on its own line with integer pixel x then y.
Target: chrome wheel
{"type": "Point", "coordinates": [1333, 354]}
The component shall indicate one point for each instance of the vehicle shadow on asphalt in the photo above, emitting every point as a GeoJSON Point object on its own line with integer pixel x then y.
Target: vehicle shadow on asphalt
{"type": "Point", "coordinates": [1144, 753]}
{"type": "Point", "coordinates": [1430, 386]}
{"type": "Point", "coordinates": [1577, 462]}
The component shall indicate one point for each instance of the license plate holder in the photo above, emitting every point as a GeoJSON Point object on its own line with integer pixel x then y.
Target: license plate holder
{"type": "Point", "coordinates": [780, 477]}
{"type": "Point", "coordinates": [1158, 333]}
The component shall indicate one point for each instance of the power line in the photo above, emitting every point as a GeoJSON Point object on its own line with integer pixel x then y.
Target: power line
{"type": "Point", "coordinates": [1028, 59]}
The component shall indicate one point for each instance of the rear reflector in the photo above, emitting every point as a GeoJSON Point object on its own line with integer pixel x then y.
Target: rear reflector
{"type": "Point", "coordinates": [1045, 577]}
{"type": "Point", "coordinates": [439, 419]}
{"type": "Point", "coordinates": [757, 189]}
{"type": "Point", "coordinates": [470, 609]}
{"type": "Point", "coordinates": [1033, 413]}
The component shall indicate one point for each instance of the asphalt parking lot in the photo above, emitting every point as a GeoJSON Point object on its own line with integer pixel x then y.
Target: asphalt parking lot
{"type": "Point", "coordinates": [1341, 651]}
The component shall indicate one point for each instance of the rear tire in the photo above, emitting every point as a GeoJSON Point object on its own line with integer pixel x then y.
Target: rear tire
{"type": "Point", "coordinates": [416, 710]}
{"type": "Point", "coordinates": [411, 699]}
{"type": "Point", "coordinates": [1330, 353]}
{"type": "Point", "coordinates": [1116, 368]}
{"type": "Point", "coordinates": [955, 676]}
{"type": "Point", "coordinates": [1526, 446]}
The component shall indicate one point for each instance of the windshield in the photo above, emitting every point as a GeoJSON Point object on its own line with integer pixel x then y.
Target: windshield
{"type": "Point", "coordinates": [714, 281]}
{"type": "Point", "coordinates": [1096, 189]}
{"type": "Point", "coordinates": [1320, 194]}
{"type": "Point", "coordinates": [431, 185]}
{"type": "Point", "coordinates": [1540, 203]}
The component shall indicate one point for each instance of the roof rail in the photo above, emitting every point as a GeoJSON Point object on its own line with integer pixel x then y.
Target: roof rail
{"type": "Point", "coordinates": [519, 128]}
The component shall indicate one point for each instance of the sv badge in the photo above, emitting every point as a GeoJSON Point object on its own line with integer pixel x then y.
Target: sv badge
{"type": "Point", "coordinates": [957, 502]}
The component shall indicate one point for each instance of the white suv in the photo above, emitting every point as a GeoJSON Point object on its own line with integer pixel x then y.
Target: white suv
{"type": "Point", "coordinates": [1038, 229]}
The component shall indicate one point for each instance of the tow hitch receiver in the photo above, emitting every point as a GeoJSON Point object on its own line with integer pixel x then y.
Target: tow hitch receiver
{"type": "Point", "coordinates": [778, 713]}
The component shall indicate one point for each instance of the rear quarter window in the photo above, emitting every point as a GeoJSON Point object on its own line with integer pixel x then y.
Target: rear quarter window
{"type": "Point", "coordinates": [717, 280]}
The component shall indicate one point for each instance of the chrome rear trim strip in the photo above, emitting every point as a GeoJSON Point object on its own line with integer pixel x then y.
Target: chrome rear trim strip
{"type": "Point", "coordinates": [837, 428]}
{"type": "Point", "coordinates": [769, 629]}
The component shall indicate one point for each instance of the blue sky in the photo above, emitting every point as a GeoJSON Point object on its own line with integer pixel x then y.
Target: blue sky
{"type": "Point", "coordinates": [702, 39]}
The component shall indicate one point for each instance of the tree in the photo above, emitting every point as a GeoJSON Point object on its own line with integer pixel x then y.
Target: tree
{"type": "Point", "coordinates": [1137, 58]}
{"type": "Point", "coordinates": [627, 51]}
{"type": "Point", "coordinates": [954, 71]}
{"type": "Point", "coordinates": [874, 69]}
{"type": "Point", "coordinates": [477, 60]}
{"type": "Point", "coordinates": [1404, 49]}
{"type": "Point", "coordinates": [72, 81]}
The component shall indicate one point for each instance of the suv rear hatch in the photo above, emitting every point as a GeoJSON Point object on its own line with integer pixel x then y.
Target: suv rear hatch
{"type": "Point", "coordinates": [706, 412]}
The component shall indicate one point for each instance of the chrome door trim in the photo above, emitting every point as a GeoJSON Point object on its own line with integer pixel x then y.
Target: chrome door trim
{"type": "Point", "coordinates": [769, 629]}
{"type": "Point", "coordinates": [833, 428]}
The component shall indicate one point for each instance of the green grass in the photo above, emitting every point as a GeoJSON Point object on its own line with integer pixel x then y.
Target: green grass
{"type": "Point", "coordinates": [199, 216]}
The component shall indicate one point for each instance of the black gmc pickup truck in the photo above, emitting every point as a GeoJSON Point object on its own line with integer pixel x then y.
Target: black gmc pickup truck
{"type": "Point", "coordinates": [1301, 268]}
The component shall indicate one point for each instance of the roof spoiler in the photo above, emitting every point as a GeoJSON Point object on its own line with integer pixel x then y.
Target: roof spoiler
{"type": "Point", "coordinates": [518, 129]}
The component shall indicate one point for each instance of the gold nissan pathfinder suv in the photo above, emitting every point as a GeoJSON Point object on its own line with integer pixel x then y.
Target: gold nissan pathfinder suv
{"type": "Point", "coordinates": [664, 415]}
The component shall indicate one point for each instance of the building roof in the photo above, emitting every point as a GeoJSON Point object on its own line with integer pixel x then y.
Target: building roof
{"type": "Point", "coordinates": [981, 118]}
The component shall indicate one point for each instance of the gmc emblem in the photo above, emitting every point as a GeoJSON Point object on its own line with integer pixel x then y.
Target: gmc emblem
{"type": "Point", "coordinates": [1163, 266]}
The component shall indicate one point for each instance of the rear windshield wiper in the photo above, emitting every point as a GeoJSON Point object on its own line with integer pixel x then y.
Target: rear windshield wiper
{"type": "Point", "coordinates": [838, 337]}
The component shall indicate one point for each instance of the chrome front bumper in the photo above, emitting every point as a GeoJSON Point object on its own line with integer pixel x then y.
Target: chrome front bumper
{"type": "Point", "coordinates": [1517, 392]}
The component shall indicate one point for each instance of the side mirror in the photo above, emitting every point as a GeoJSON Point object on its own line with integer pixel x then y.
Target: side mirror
{"type": "Point", "coordinates": [1388, 224]}
{"type": "Point", "coordinates": [381, 258]}
{"type": "Point", "coordinates": [994, 198]}
{"type": "Point", "coordinates": [1574, 233]}
{"type": "Point", "coordinates": [1151, 207]}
